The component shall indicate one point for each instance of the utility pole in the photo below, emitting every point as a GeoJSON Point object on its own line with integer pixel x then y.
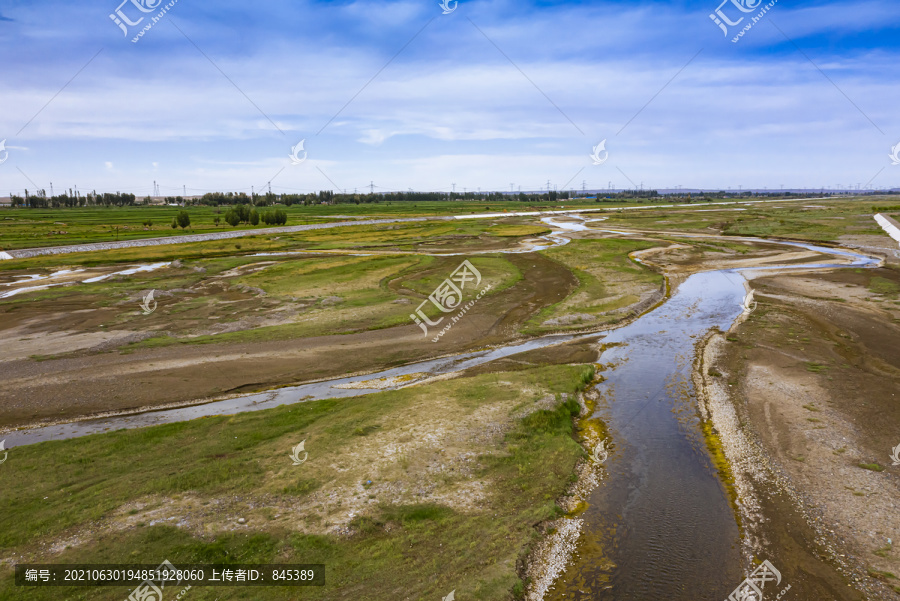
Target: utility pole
{"type": "Point", "coordinates": [51, 189]}
{"type": "Point", "coordinates": [184, 191]}
{"type": "Point", "coordinates": [454, 188]}
{"type": "Point", "coordinates": [371, 187]}
{"type": "Point", "coordinates": [511, 187]}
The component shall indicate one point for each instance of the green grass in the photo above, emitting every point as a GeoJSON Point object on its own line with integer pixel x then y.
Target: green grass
{"type": "Point", "coordinates": [32, 228]}
{"type": "Point", "coordinates": [608, 280]}
{"type": "Point", "coordinates": [885, 551]}
{"type": "Point", "coordinates": [872, 466]}
{"type": "Point", "coordinates": [423, 549]}
{"type": "Point", "coordinates": [884, 287]}
{"type": "Point", "coordinates": [839, 217]}
{"type": "Point", "coordinates": [880, 575]}
{"type": "Point", "coordinates": [348, 294]}
{"type": "Point", "coordinates": [408, 237]}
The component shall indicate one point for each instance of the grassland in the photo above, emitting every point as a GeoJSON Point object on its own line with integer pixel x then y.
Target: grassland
{"type": "Point", "coordinates": [32, 228]}
{"type": "Point", "coordinates": [325, 295]}
{"type": "Point", "coordinates": [406, 237]}
{"type": "Point", "coordinates": [608, 282]}
{"type": "Point", "coordinates": [815, 220]}
{"type": "Point", "coordinates": [421, 531]}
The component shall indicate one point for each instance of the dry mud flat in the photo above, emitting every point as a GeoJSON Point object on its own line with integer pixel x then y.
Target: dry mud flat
{"type": "Point", "coordinates": [804, 395]}
{"type": "Point", "coordinates": [95, 383]}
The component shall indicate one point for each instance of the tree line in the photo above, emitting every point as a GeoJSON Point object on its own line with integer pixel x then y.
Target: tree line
{"type": "Point", "coordinates": [40, 200]}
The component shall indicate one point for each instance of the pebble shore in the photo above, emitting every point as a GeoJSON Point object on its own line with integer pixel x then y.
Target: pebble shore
{"type": "Point", "coordinates": [552, 554]}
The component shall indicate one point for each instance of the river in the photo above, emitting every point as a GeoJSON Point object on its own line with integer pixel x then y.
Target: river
{"type": "Point", "coordinates": [660, 526]}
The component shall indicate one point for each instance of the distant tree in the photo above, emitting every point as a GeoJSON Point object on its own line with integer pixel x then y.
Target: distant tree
{"type": "Point", "coordinates": [184, 219]}
{"type": "Point", "coordinates": [254, 217]}
{"type": "Point", "coordinates": [174, 223]}
{"type": "Point", "coordinates": [216, 220]}
{"type": "Point", "coordinates": [232, 217]}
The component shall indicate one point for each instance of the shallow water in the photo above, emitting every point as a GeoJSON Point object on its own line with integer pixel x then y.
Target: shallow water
{"type": "Point", "coordinates": [661, 513]}
{"type": "Point", "coordinates": [47, 281]}
{"type": "Point", "coordinates": [282, 396]}
{"type": "Point", "coordinates": [660, 526]}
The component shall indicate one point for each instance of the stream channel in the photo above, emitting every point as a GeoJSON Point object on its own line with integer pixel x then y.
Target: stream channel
{"type": "Point", "coordinates": [660, 525]}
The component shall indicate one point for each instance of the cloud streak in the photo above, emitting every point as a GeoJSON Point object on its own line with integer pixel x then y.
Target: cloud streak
{"type": "Point", "coordinates": [450, 106]}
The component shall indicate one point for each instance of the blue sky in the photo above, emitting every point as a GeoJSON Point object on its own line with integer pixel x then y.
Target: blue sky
{"type": "Point", "coordinates": [494, 93]}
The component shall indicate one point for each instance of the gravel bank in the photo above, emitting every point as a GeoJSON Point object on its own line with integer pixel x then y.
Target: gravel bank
{"type": "Point", "coordinates": [551, 555]}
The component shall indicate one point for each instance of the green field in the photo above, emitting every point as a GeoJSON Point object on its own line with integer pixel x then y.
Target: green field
{"type": "Point", "coordinates": [794, 220]}
{"type": "Point", "coordinates": [130, 481]}
{"type": "Point", "coordinates": [32, 228]}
